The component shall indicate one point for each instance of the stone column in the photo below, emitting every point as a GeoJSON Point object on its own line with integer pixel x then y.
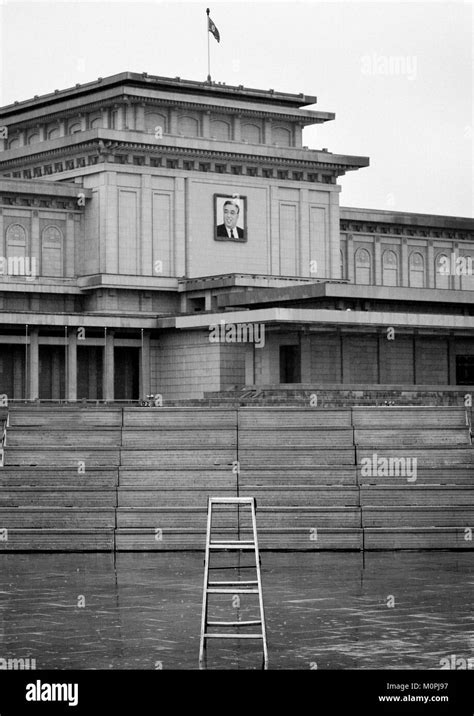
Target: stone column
{"type": "Point", "coordinates": [237, 128]}
{"type": "Point", "coordinates": [108, 374]}
{"type": "Point", "coordinates": [377, 273]}
{"type": "Point", "coordinates": [267, 131]}
{"type": "Point", "coordinates": [146, 227]}
{"type": "Point", "coordinates": [430, 268]}
{"type": "Point", "coordinates": [140, 117]}
{"type": "Point", "coordinates": [145, 364]}
{"type": "Point", "coordinates": [206, 124]}
{"type": "Point", "coordinates": [72, 364]}
{"type": "Point", "coordinates": [173, 121]}
{"type": "Point", "coordinates": [34, 250]}
{"type": "Point", "coordinates": [350, 258]}
{"type": "Point", "coordinates": [33, 367]}
{"type": "Point", "coordinates": [404, 271]}
{"type": "Point", "coordinates": [181, 257]}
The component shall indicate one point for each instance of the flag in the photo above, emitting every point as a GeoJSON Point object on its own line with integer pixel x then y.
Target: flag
{"type": "Point", "coordinates": [212, 28]}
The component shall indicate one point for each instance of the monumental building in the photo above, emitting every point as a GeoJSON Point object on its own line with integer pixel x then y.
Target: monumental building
{"type": "Point", "coordinates": [168, 236]}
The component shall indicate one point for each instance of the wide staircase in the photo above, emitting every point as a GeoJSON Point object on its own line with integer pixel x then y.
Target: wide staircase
{"type": "Point", "coordinates": [81, 478]}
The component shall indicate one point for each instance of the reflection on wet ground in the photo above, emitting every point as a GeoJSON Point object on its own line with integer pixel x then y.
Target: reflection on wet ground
{"type": "Point", "coordinates": [385, 610]}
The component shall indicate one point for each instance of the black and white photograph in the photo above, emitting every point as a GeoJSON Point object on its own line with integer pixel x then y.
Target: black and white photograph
{"type": "Point", "coordinates": [236, 355]}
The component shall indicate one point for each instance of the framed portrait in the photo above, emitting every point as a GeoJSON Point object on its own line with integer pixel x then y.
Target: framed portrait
{"type": "Point", "coordinates": [230, 217]}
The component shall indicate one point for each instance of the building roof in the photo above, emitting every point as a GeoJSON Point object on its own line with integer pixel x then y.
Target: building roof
{"type": "Point", "coordinates": [175, 84]}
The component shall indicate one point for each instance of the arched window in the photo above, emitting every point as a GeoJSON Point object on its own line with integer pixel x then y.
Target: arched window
{"type": "Point", "coordinates": [281, 136]}
{"type": "Point", "coordinates": [14, 143]}
{"type": "Point", "coordinates": [416, 270]}
{"type": "Point", "coordinates": [251, 133]}
{"type": "Point", "coordinates": [96, 122]}
{"type": "Point", "coordinates": [16, 241]}
{"type": "Point", "coordinates": [53, 133]}
{"type": "Point", "coordinates": [363, 267]}
{"type": "Point", "coordinates": [76, 127]}
{"type": "Point", "coordinates": [154, 120]}
{"type": "Point", "coordinates": [189, 126]}
{"type": "Point", "coordinates": [442, 271]}
{"type": "Point", "coordinates": [51, 252]}
{"type": "Point", "coordinates": [220, 129]}
{"type": "Point", "coordinates": [33, 138]}
{"type": "Point", "coordinates": [389, 268]}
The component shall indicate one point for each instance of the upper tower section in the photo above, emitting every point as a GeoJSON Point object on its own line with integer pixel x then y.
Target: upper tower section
{"type": "Point", "coordinates": [133, 118]}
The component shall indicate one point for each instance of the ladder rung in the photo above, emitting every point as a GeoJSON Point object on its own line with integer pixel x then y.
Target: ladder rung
{"type": "Point", "coordinates": [234, 541]}
{"type": "Point", "coordinates": [231, 545]}
{"type": "Point", "coordinates": [231, 591]}
{"type": "Point", "coordinates": [232, 500]}
{"type": "Point", "coordinates": [255, 622]}
{"type": "Point", "coordinates": [233, 636]}
{"type": "Point", "coordinates": [241, 581]}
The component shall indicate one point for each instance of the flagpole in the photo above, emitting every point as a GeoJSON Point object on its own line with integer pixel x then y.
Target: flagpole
{"type": "Point", "coordinates": [208, 48]}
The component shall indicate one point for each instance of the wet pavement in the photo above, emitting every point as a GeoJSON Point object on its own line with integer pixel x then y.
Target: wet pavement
{"type": "Point", "coordinates": [381, 610]}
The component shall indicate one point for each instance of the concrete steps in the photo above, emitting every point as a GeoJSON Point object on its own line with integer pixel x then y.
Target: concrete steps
{"type": "Point", "coordinates": [139, 478]}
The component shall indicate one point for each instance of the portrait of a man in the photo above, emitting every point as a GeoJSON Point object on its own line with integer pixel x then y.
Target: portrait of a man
{"type": "Point", "coordinates": [230, 218]}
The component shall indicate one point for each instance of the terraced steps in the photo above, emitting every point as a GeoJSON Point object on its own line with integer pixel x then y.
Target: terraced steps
{"type": "Point", "coordinates": [139, 478]}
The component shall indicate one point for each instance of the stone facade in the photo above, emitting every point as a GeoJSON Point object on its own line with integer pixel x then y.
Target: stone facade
{"type": "Point", "coordinates": [112, 274]}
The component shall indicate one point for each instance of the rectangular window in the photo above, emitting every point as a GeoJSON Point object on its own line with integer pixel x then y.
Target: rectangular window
{"type": "Point", "coordinates": [282, 174]}
{"type": "Point", "coordinates": [188, 165]}
{"type": "Point", "coordinates": [58, 167]}
{"type": "Point", "coordinates": [220, 168]}
{"type": "Point", "coordinates": [298, 176]}
{"type": "Point", "coordinates": [204, 167]}
{"type": "Point", "coordinates": [465, 370]}
{"type": "Point", "coordinates": [252, 171]}
{"type": "Point", "coordinates": [80, 162]}
{"type": "Point", "coordinates": [171, 163]}
{"type": "Point", "coordinates": [155, 162]}
{"type": "Point", "coordinates": [69, 164]}
{"type": "Point", "coordinates": [139, 161]}
{"type": "Point", "coordinates": [267, 173]}
{"type": "Point", "coordinates": [236, 170]}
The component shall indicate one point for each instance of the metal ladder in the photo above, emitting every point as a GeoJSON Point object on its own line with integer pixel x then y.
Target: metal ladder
{"type": "Point", "coordinates": [234, 586]}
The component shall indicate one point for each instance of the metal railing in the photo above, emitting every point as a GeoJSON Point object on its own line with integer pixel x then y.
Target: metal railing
{"type": "Point", "coordinates": [469, 423]}
{"type": "Point", "coordinates": [3, 440]}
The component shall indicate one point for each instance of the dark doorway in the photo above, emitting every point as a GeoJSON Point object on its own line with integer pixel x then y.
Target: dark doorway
{"type": "Point", "coordinates": [51, 373]}
{"type": "Point", "coordinates": [290, 364]}
{"type": "Point", "coordinates": [12, 371]}
{"type": "Point", "coordinates": [127, 373]}
{"type": "Point", "coordinates": [89, 372]}
{"type": "Point", "coordinates": [465, 370]}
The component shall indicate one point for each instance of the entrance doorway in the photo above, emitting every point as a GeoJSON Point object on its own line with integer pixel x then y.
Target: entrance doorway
{"type": "Point", "coordinates": [290, 364]}
{"type": "Point", "coordinates": [52, 385]}
{"type": "Point", "coordinates": [89, 372]}
{"type": "Point", "coordinates": [126, 373]}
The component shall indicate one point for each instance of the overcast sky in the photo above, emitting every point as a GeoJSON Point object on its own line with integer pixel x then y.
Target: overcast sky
{"type": "Point", "coordinates": [398, 75]}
